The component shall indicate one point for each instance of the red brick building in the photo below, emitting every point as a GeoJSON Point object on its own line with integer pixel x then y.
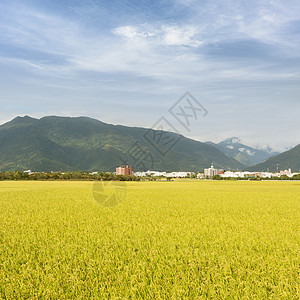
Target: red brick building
{"type": "Point", "coordinates": [124, 170]}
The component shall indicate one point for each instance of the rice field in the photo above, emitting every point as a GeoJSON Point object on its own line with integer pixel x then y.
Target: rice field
{"type": "Point", "coordinates": [165, 240]}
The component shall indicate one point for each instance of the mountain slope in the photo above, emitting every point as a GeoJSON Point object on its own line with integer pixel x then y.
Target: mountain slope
{"type": "Point", "coordinates": [285, 160]}
{"type": "Point", "coordinates": [246, 155]}
{"type": "Point", "coordinates": [69, 144]}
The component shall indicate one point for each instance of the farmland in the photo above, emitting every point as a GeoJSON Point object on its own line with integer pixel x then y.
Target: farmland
{"type": "Point", "coordinates": [165, 240]}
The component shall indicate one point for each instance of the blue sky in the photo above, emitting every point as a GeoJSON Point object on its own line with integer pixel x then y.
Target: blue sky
{"type": "Point", "coordinates": [127, 62]}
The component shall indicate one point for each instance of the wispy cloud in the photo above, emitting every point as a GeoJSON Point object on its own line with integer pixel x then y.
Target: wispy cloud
{"type": "Point", "coordinates": [132, 46]}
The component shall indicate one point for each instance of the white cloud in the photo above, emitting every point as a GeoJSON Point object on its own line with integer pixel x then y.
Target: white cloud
{"type": "Point", "coordinates": [129, 32]}
{"type": "Point", "coordinates": [132, 32]}
{"type": "Point", "coordinates": [164, 35]}
{"type": "Point", "coordinates": [181, 36]}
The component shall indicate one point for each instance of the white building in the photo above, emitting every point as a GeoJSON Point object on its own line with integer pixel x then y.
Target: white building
{"type": "Point", "coordinates": [200, 175]}
{"type": "Point", "coordinates": [210, 172]}
{"type": "Point", "coordinates": [286, 172]}
{"type": "Point", "coordinates": [164, 174]}
{"type": "Point", "coordinates": [230, 174]}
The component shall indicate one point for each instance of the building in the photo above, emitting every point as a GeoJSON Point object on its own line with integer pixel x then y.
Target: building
{"type": "Point", "coordinates": [164, 174]}
{"type": "Point", "coordinates": [200, 175]}
{"type": "Point", "coordinates": [211, 172]}
{"type": "Point", "coordinates": [286, 172]}
{"type": "Point", "coordinates": [124, 170]}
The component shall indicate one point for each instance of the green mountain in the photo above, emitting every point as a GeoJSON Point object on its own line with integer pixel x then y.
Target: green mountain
{"type": "Point", "coordinates": [246, 155]}
{"type": "Point", "coordinates": [70, 144]}
{"type": "Point", "coordinates": [285, 160]}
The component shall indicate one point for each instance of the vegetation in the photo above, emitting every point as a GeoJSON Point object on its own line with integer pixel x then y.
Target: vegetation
{"type": "Point", "coordinates": [108, 176]}
{"type": "Point", "coordinates": [282, 177]}
{"type": "Point", "coordinates": [71, 144]}
{"type": "Point", "coordinates": [17, 175]}
{"type": "Point", "coordinates": [166, 240]}
{"type": "Point", "coordinates": [285, 160]}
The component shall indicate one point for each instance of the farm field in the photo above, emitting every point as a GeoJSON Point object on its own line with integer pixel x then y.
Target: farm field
{"type": "Point", "coordinates": [165, 240]}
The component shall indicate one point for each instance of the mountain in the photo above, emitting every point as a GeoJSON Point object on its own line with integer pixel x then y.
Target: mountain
{"type": "Point", "coordinates": [285, 160]}
{"type": "Point", "coordinates": [69, 144]}
{"type": "Point", "coordinates": [246, 155]}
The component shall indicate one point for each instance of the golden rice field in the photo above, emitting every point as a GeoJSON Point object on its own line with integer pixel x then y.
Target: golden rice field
{"type": "Point", "coordinates": [166, 240]}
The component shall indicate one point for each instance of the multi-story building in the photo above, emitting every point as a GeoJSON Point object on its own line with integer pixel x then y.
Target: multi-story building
{"type": "Point", "coordinates": [124, 170]}
{"type": "Point", "coordinates": [210, 172]}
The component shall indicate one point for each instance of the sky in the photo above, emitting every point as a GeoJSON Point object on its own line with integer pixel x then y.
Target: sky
{"type": "Point", "coordinates": [129, 62]}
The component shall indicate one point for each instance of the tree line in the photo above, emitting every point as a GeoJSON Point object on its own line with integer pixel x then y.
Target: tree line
{"type": "Point", "coordinates": [107, 176]}
{"type": "Point", "coordinates": [78, 175]}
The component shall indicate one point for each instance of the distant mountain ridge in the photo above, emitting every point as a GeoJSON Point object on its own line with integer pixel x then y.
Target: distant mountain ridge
{"type": "Point", "coordinates": [233, 147]}
{"type": "Point", "coordinates": [69, 144]}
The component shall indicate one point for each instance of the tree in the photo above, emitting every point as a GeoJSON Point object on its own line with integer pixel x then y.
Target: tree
{"type": "Point", "coordinates": [217, 177]}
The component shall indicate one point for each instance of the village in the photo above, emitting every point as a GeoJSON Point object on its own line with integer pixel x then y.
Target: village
{"type": "Point", "coordinates": [210, 173]}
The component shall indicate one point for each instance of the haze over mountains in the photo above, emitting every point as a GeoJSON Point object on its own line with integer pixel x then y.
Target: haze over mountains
{"type": "Point", "coordinates": [70, 144]}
